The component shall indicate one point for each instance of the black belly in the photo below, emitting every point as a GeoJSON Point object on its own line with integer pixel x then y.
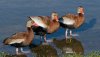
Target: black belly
{"type": "Point", "coordinates": [66, 26]}
{"type": "Point", "coordinates": [18, 45]}
{"type": "Point", "coordinates": [39, 30]}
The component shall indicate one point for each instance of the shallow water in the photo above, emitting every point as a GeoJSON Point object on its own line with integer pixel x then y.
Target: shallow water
{"type": "Point", "coordinates": [14, 13]}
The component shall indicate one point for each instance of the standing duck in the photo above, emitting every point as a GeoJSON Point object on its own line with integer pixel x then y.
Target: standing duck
{"type": "Point", "coordinates": [21, 39]}
{"type": "Point", "coordinates": [71, 21]}
{"type": "Point", "coordinates": [45, 25]}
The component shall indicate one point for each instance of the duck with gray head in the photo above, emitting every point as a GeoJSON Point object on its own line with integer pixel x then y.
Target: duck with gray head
{"type": "Point", "coordinates": [45, 25]}
{"type": "Point", "coordinates": [72, 21]}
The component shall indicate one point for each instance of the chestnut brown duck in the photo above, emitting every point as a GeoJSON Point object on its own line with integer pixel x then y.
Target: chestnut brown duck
{"type": "Point", "coordinates": [21, 39]}
{"type": "Point", "coordinates": [43, 25]}
{"type": "Point", "coordinates": [72, 21]}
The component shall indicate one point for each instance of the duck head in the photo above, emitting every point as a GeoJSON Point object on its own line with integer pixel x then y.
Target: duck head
{"type": "Point", "coordinates": [80, 10]}
{"type": "Point", "coordinates": [54, 16]}
{"type": "Point", "coordinates": [29, 23]}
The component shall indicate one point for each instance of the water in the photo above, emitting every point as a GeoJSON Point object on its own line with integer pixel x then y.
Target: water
{"type": "Point", "coordinates": [14, 13]}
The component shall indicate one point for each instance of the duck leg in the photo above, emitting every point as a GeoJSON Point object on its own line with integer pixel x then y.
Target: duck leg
{"type": "Point", "coordinates": [17, 51]}
{"type": "Point", "coordinates": [66, 34]}
{"type": "Point", "coordinates": [70, 32]}
{"type": "Point", "coordinates": [41, 39]}
{"type": "Point", "coordinates": [70, 35]}
{"type": "Point", "coordinates": [45, 40]}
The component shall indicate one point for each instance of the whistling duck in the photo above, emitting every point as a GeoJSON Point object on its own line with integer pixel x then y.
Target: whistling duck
{"type": "Point", "coordinates": [45, 25]}
{"type": "Point", "coordinates": [71, 21]}
{"type": "Point", "coordinates": [21, 39]}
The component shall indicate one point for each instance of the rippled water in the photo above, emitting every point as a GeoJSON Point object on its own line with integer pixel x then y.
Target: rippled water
{"type": "Point", "coordinates": [13, 17]}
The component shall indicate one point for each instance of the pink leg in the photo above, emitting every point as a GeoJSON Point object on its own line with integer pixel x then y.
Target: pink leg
{"type": "Point", "coordinates": [17, 51]}
{"type": "Point", "coordinates": [45, 38]}
{"type": "Point", "coordinates": [70, 35]}
{"type": "Point", "coordinates": [70, 32]}
{"type": "Point", "coordinates": [66, 33]}
{"type": "Point", "coordinates": [41, 39]}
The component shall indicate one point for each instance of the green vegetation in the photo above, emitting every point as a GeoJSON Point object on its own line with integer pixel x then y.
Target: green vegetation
{"type": "Point", "coordinates": [91, 54]}
{"type": "Point", "coordinates": [72, 55]}
{"type": "Point", "coordinates": [4, 54]}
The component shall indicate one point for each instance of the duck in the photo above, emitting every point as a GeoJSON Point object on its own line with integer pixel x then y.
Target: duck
{"type": "Point", "coordinates": [72, 21]}
{"type": "Point", "coordinates": [21, 39]}
{"type": "Point", "coordinates": [43, 25]}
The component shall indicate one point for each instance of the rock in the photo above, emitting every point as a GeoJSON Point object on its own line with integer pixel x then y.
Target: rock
{"type": "Point", "coordinates": [66, 46]}
{"type": "Point", "coordinates": [44, 51]}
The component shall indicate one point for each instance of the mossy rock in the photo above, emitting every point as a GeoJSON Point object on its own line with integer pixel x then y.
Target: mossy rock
{"type": "Point", "coordinates": [44, 51]}
{"type": "Point", "coordinates": [74, 44]}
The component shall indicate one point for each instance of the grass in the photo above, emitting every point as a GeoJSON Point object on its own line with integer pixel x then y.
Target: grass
{"type": "Point", "coordinates": [4, 54]}
{"type": "Point", "coordinates": [91, 54]}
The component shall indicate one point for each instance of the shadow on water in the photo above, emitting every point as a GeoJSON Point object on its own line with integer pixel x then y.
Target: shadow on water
{"type": "Point", "coordinates": [86, 26]}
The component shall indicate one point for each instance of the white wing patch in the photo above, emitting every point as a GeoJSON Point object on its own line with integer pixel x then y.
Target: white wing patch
{"type": "Point", "coordinates": [16, 41]}
{"type": "Point", "coordinates": [68, 21]}
{"type": "Point", "coordinates": [39, 21]}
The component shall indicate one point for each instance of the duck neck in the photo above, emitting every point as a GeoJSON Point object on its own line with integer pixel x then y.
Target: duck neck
{"type": "Point", "coordinates": [80, 14]}
{"type": "Point", "coordinates": [30, 31]}
{"type": "Point", "coordinates": [30, 35]}
{"type": "Point", "coordinates": [55, 18]}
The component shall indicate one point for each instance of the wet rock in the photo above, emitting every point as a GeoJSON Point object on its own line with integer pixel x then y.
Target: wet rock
{"type": "Point", "coordinates": [21, 55]}
{"type": "Point", "coordinates": [44, 51]}
{"type": "Point", "coordinates": [67, 46]}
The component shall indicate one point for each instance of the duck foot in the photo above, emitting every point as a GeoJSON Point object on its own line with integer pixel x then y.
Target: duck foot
{"type": "Point", "coordinates": [75, 35]}
{"type": "Point", "coordinates": [44, 43]}
{"type": "Point", "coordinates": [25, 51]}
{"type": "Point", "coordinates": [50, 40]}
{"type": "Point", "coordinates": [19, 53]}
{"type": "Point", "coordinates": [68, 37]}
{"type": "Point", "coordinates": [47, 42]}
